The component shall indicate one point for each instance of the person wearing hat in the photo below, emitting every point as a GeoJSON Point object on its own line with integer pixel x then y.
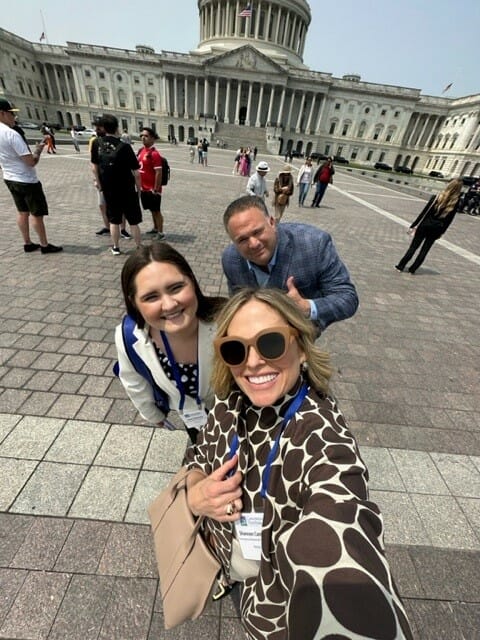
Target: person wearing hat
{"type": "Point", "coordinates": [18, 166]}
{"type": "Point", "coordinates": [257, 184]}
{"type": "Point", "coordinates": [282, 189]}
{"type": "Point", "coordinates": [300, 259]}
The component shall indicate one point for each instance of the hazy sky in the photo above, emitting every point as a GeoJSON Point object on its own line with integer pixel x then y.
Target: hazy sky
{"type": "Point", "coordinates": [425, 44]}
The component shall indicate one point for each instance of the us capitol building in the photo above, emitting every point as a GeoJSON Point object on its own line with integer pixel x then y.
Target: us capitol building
{"type": "Point", "coordinates": [245, 83]}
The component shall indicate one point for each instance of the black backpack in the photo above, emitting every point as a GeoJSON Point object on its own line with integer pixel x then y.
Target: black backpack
{"type": "Point", "coordinates": [107, 153]}
{"type": "Point", "coordinates": [165, 171]}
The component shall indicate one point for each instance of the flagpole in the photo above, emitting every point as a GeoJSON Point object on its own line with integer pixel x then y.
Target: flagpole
{"type": "Point", "coordinates": [44, 32]}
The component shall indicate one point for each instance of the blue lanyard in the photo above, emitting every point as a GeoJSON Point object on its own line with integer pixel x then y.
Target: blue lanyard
{"type": "Point", "coordinates": [292, 409]}
{"type": "Point", "coordinates": [176, 374]}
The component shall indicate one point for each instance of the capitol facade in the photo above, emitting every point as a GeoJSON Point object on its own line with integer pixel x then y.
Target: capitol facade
{"type": "Point", "coordinates": [245, 83]}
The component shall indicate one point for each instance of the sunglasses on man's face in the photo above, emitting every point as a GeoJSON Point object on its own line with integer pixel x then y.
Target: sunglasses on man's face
{"type": "Point", "coordinates": [270, 344]}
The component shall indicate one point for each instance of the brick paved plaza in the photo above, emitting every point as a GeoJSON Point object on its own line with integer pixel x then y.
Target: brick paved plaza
{"type": "Point", "coordinates": [78, 466]}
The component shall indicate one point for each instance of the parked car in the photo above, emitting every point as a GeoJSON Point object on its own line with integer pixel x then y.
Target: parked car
{"type": "Point", "coordinates": [318, 156]}
{"type": "Point", "coordinates": [469, 180]}
{"type": "Point", "coordinates": [86, 133]}
{"type": "Point", "coordinates": [340, 160]}
{"type": "Point", "coordinates": [383, 166]}
{"type": "Point", "coordinates": [192, 140]}
{"type": "Point", "coordinates": [28, 125]}
{"type": "Point", "coordinates": [296, 154]}
{"type": "Point", "coordinates": [79, 127]}
{"type": "Point", "coordinates": [436, 174]}
{"type": "Point", "coordinates": [403, 169]}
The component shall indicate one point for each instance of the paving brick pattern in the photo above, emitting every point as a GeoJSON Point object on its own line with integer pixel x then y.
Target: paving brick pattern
{"type": "Point", "coordinates": [78, 466]}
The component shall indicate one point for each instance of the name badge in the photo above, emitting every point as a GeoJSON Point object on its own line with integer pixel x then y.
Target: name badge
{"type": "Point", "coordinates": [249, 534]}
{"type": "Point", "coordinates": [195, 419]}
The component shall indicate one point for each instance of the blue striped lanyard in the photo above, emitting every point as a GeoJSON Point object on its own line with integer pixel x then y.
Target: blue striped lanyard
{"type": "Point", "coordinates": [176, 374]}
{"type": "Point", "coordinates": [293, 407]}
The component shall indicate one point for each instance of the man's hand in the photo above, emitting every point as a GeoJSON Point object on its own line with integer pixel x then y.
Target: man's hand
{"type": "Point", "coordinates": [292, 292]}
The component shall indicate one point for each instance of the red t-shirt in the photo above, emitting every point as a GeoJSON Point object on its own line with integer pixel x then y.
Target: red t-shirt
{"type": "Point", "coordinates": [149, 160]}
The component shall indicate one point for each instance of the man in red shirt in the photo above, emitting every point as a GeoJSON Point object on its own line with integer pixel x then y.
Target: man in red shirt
{"type": "Point", "coordinates": [151, 180]}
{"type": "Point", "coordinates": [322, 178]}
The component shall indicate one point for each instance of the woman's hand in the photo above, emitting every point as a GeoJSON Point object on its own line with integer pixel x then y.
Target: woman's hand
{"type": "Point", "coordinates": [216, 496]}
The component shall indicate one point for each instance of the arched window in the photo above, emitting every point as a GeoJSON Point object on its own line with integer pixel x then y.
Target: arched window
{"type": "Point", "coordinates": [361, 129]}
{"type": "Point", "coordinates": [377, 132]}
{"type": "Point", "coordinates": [122, 98]}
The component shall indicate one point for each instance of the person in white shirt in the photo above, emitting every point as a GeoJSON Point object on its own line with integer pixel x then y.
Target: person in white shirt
{"type": "Point", "coordinates": [304, 180]}
{"type": "Point", "coordinates": [257, 184]}
{"type": "Point", "coordinates": [18, 166]}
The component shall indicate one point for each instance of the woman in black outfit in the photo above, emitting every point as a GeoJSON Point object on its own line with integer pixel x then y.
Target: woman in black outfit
{"type": "Point", "coordinates": [432, 223]}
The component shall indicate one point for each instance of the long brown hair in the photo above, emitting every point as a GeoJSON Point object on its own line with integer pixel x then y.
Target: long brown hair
{"type": "Point", "coordinates": [447, 200]}
{"type": "Point", "coordinates": [208, 306]}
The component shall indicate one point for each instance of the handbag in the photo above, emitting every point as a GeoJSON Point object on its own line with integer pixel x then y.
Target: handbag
{"type": "Point", "coordinates": [186, 566]}
{"type": "Point", "coordinates": [282, 199]}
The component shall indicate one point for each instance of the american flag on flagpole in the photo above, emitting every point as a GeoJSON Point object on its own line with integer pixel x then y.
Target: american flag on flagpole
{"type": "Point", "coordinates": [247, 12]}
{"type": "Point", "coordinates": [449, 86]}
{"type": "Point", "coordinates": [42, 37]}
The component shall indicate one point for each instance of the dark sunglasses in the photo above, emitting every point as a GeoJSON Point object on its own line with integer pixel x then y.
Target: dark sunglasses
{"type": "Point", "coordinates": [270, 344]}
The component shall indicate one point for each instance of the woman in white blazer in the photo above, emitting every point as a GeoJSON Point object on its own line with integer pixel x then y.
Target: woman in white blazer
{"type": "Point", "coordinates": [173, 330]}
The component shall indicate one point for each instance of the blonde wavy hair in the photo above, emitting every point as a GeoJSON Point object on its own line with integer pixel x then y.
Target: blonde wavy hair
{"type": "Point", "coordinates": [317, 371]}
{"type": "Point", "coordinates": [447, 200]}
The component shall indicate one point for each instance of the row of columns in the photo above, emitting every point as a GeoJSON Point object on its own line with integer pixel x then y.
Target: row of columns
{"type": "Point", "coordinates": [73, 92]}
{"type": "Point", "coordinates": [418, 135]}
{"type": "Point", "coordinates": [279, 109]}
{"type": "Point", "coordinates": [270, 21]}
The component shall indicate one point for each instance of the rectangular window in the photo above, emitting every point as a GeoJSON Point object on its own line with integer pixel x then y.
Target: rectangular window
{"type": "Point", "coordinates": [327, 149]}
{"type": "Point", "coordinates": [138, 102]}
{"type": "Point", "coordinates": [87, 73]}
{"type": "Point", "coordinates": [104, 95]}
{"type": "Point", "coordinates": [30, 89]}
{"type": "Point", "coordinates": [21, 87]}
{"type": "Point", "coordinates": [39, 91]}
{"type": "Point", "coordinates": [151, 104]}
{"type": "Point", "coordinates": [375, 135]}
{"type": "Point", "coordinates": [139, 125]}
{"type": "Point", "coordinates": [91, 95]}
{"type": "Point", "coordinates": [2, 83]}
{"type": "Point", "coordinates": [396, 114]}
{"type": "Point", "coordinates": [153, 126]}
{"type": "Point", "coordinates": [101, 75]}
{"type": "Point", "coordinates": [136, 80]}
{"type": "Point", "coordinates": [332, 128]}
{"type": "Point", "coordinates": [354, 153]}
{"type": "Point", "coordinates": [345, 130]}
{"type": "Point", "coordinates": [124, 124]}
{"type": "Point", "coordinates": [337, 106]}
{"type": "Point", "coordinates": [369, 155]}
{"type": "Point", "coordinates": [150, 82]}
{"type": "Point", "coordinates": [37, 114]}
{"type": "Point", "coordinates": [384, 111]}
{"type": "Point", "coordinates": [29, 112]}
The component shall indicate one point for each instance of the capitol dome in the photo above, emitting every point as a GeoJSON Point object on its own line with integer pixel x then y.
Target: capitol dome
{"type": "Point", "coordinates": [277, 28]}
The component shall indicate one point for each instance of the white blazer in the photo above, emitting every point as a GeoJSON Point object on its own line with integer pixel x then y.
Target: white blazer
{"type": "Point", "coordinates": [138, 389]}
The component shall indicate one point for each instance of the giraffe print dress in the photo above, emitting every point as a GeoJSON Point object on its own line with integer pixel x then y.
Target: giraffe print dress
{"type": "Point", "coordinates": [323, 573]}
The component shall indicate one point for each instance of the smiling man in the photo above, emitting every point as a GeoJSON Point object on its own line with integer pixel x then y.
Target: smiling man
{"type": "Point", "coordinates": [297, 258]}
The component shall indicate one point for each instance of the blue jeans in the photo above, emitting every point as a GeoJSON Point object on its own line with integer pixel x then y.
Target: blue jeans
{"type": "Point", "coordinates": [303, 188]}
{"type": "Point", "coordinates": [319, 193]}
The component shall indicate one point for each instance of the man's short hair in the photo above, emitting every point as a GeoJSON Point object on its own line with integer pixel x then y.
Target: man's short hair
{"type": "Point", "coordinates": [242, 204]}
{"type": "Point", "coordinates": [109, 123]}
{"type": "Point", "coordinates": [153, 134]}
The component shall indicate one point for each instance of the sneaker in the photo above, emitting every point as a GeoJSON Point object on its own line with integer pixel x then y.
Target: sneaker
{"type": "Point", "coordinates": [115, 251]}
{"type": "Point", "coordinates": [124, 233]}
{"type": "Point", "coordinates": [103, 232]}
{"type": "Point", "coordinates": [398, 268]}
{"type": "Point", "coordinates": [51, 248]}
{"type": "Point", "coordinates": [31, 246]}
{"type": "Point", "coordinates": [160, 235]}
{"type": "Point", "coordinates": [152, 232]}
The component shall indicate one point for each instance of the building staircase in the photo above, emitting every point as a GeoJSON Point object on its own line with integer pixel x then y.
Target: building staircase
{"type": "Point", "coordinates": [235, 136]}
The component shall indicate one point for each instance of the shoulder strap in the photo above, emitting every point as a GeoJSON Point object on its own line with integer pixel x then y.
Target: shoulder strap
{"type": "Point", "coordinates": [161, 398]}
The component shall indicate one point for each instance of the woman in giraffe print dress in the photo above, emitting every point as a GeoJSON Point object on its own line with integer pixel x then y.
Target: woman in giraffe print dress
{"type": "Point", "coordinates": [279, 477]}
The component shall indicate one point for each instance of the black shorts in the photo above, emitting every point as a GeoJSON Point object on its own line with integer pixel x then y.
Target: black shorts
{"type": "Point", "coordinates": [28, 197]}
{"type": "Point", "coordinates": [121, 204]}
{"type": "Point", "coordinates": [151, 201]}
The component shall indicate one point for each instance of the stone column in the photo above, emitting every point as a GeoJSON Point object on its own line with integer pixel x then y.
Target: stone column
{"type": "Point", "coordinates": [258, 121]}
{"type": "Point", "coordinates": [270, 105]}
{"type": "Point", "coordinates": [47, 80]}
{"type": "Point", "coordinates": [320, 115]}
{"type": "Point", "coordinates": [257, 20]}
{"type": "Point", "coordinates": [282, 104]}
{"type": "Point", "coordinates": [285, 32]}
{"type": "Point", "coordinates": [168, 98]}
{"type": "Point", "coordinates": [185, 97]}
{"type": "Point", "coordinates": [215, 106]}
{"type": "Point", "coordinates": [290, 110]}
{"type": "Point", "coordinates": [249, 103]}
{"type": "Point", "coordinates": [196, 114]}
{"type": "Point", "coordinates": [79, 87]}
{"type": "Point", "coordinates": [226, 117]}
{"type": "Point", "coordinates": [310, 116]}
{"type": "Point", "coordinates": [57, 84]}
{"type": "Point", "coordinates": [237, 25]}
{"type": "Point", "coordinates": [212, 21]}
{"type": "Point", "coordinates": [422, 133]}
{"type": "Point", "coordinates": [175, 96]}
{"type": "Point", "coordinates": [268, 21]}
{"type": "Point", "coordinates": [300, 113]}
{"type": "Point", "coordinates": [277, 26]}
{"type": "Point", "coordinates": [227, 20]}
{"type": "Point", "coordinates": [205, 96]}
{"type": "Point", "coordinates": [236, 117]}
